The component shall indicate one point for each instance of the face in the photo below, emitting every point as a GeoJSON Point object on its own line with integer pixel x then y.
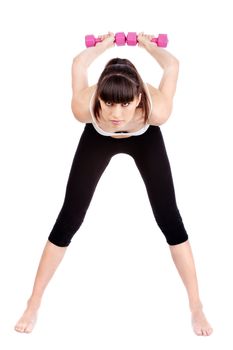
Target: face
{"type": "Point", "coordinates": [117, 115]}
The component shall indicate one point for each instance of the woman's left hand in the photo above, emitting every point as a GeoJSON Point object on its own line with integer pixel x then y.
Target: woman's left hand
{"type": "Point", "coordinates": [144, 39]}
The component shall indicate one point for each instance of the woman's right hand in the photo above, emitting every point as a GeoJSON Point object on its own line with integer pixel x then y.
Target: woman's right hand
{"type": "Point", "coordinates": [88, 55]}
{"type": "Point", "coordinates": [107, 40]}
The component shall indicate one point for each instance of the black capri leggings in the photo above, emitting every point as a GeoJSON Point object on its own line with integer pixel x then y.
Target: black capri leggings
{"type": "Point", "coordinates": [92, 156]}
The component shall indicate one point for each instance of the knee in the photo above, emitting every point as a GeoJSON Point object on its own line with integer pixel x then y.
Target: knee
{"type": "Point", "coordinates": [172, 227]}
{"type": "Point", "coordinates": [64, 230]}
{"type": "Point", "coordinates": [174, 239]}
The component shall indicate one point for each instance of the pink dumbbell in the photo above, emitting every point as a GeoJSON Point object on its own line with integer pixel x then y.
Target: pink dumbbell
{"type": "Point", "coordinates": [120, 40]}
{"type": "Point", "coordinates": [161, 41]}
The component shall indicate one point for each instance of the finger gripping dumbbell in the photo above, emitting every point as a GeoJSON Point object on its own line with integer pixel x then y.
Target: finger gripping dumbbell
{"type": "Point", "coordinates": [161, 41]}
{"type": "Point", "coordinates": [119, 39]}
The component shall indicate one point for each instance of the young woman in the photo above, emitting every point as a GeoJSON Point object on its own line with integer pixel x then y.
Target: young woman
{"type": "Point", "coordinates": [122, 115]}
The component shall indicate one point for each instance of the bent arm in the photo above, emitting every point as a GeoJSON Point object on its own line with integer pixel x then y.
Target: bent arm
{"type": "Point", "coordinates": [162, 98]}
{"type": "Point", "coordinates": [82, 92]}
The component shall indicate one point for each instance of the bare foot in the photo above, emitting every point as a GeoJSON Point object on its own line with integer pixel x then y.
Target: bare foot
{"type": "Point", "coordinates": [200, 324]}
{"type": "Point", "coordinates": [27, 322]}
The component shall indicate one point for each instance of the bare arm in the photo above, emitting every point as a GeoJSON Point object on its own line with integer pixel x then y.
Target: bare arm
{"type": "Point", "coordinates": [82, 92]}
{"type": "Point", "coordinates": [162, 98]}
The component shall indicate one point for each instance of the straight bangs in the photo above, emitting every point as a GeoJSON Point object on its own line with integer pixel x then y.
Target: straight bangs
{"type": "Point", "coordinates": [117, 89]}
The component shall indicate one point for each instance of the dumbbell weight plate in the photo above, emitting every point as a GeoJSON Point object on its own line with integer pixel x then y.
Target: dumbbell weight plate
{"type": "Point", "coordinates": [120, 39]}
{"type": "Point", "coordinates": [161, 41]}
{"type": "Point", "coordinates": [91, 41]}
{"type": "Point", "coordinates": [131, 39]}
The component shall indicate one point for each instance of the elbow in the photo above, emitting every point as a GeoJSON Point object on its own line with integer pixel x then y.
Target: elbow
{"type": "Point", "coordinates": [173, 65]}
{"type": "Point", "coordinates": [176, 66]}
{"type": "Point", "coordinates": [75, 110]}
{"type": "Point", "coordinates": [174, 62]}
{"type": "Point", "coordinates": [156, 121]}
{"type": "Point", "coordinates": [159, 121]}
{"type": "Point", "coordinates": [76, 59]}
{"type": "Point", "coordinates": [163, 120]}
{"type": "Point", "coordinates": [160, 118]}
{"type": "Point", "coordinates": [78, 117]}
{"type": "Point", "coordinates": [79, 114]}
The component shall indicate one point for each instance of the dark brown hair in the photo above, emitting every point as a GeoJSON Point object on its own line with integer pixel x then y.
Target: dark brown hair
{"type": "Point", "coordinates": [120, 82]}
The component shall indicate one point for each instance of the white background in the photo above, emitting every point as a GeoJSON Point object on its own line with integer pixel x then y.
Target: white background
{"type": "Point", "coordinates": [117, 287]}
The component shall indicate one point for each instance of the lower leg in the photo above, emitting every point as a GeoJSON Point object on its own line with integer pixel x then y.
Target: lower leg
{"type": "Point", "coordinates": [184, 262]}
{"type": "Point", "coordinates": [50, 259]}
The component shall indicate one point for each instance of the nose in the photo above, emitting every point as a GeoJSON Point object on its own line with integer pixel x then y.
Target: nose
{"type": "Point", "coordinates": [117, 112]}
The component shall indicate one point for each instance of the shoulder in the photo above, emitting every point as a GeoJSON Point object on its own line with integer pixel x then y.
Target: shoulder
{"type": "Point", "coordinates": [161, 106]}
{"type": "Point", "coordinates": [80, 104]}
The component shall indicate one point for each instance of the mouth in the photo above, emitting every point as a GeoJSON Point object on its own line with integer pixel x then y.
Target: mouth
{"type": "Point", "coordinates": [116, 122]}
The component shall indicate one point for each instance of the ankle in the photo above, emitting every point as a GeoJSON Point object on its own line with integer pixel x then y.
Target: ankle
{"type": "Point", "coordinates": [34, 302]}
{"type": "Point", "coordinates": [195, 307]}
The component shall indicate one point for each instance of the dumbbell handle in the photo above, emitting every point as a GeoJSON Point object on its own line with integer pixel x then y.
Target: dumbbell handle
{"type": "Point", "coordinates": [98, 40]}
{"type": "Point", "coordinates": [153, 40]}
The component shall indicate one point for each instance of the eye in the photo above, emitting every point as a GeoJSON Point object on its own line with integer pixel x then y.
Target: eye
{"type": "Point", "coordinates": [126, 104]}
{"type": "Point", "coordinates": [108, 104]}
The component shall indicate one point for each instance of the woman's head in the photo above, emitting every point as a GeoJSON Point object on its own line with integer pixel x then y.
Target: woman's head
{"type": "Point", "coordinates": [120, 90]}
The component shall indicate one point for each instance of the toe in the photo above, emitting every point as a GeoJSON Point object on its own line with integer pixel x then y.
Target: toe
{"type": "Point", "coordinates": [207, 331]}
{"type": "Point", "coordinates": [19, 328]}
{"type": "Point", "coordinates": [204, 332]}
{"type": "Point", "coordinates": [29, 328]}
{"type": "Point", "coordinates": [198, 331]}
